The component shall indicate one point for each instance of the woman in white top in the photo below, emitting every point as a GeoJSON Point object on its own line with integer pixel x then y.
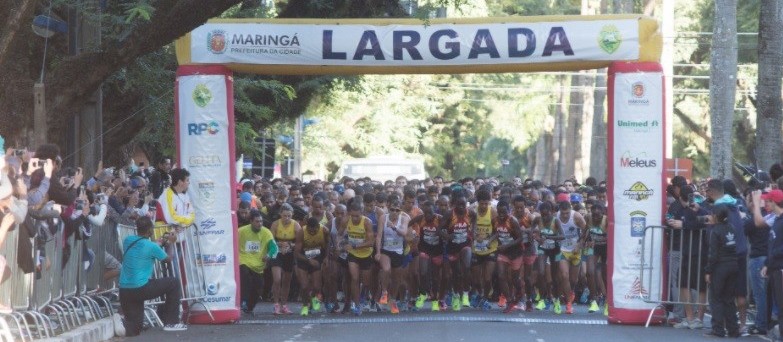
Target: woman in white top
{"type": "Point", "coordinates": [389, 248]}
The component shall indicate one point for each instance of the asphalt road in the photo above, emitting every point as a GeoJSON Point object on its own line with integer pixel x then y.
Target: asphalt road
{"type": "Point", "coordinates": [426, 326]}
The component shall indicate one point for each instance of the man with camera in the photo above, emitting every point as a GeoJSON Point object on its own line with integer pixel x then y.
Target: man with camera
{"type": "Point", "coordinates": [140, 254]}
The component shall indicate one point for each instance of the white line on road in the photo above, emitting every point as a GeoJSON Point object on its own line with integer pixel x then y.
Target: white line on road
{"type": "Point", "coordinates": [540, 340]}
{"type": "Point", "coordinates": [532, 331]}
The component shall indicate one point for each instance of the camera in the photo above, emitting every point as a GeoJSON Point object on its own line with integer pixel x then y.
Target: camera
{"type": "Point", "coordinates": [94, 210]}
{"type": "Point", "coordinates": [79, 205]}
{"type": "Point", "coordinates": [40, 163]}
{"type": "Point", "coordinates": [19, 153]}
{"type": "Point", "coordinates": [703, 219]}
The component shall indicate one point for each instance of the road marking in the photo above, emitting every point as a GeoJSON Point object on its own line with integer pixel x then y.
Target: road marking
{"type": "Point", "coordinates": [540, 340]}
{"type": "Point", "coordinates": [532, 331]}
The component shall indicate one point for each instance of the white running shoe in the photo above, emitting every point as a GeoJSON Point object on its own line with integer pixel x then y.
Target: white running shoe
{"type": "Point", "coordinates": [175, 327]}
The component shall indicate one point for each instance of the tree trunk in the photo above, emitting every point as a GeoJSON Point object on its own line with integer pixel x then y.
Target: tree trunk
{"type": "Point", "coordinates": [577, 116]}
{"type": "Point", "coordinates": [622, 6]}
{"type": "Point", "coordinates": [598, 163]}
{"type": "Point", "coordinates": [769, 105]}
{"type": "Point", "coordinates": [723, 76]}
{"type": "Point", "coordinates": [542, 155]}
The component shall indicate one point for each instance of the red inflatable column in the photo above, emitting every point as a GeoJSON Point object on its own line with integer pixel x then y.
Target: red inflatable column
{"type": "Point", "coordinates": [204, 121]}
{"type": "Point", "coordinates": [636, 190]}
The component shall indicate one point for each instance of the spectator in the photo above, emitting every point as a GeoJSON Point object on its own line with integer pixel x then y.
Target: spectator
{"type": "Point", "coordinates": [757, 227]}
{"type": "Point", "coordinates": [175, 201]}
{"type": "Point", "coordinates": [773, 268]}
{"type": "Point", "coordinates": [160, 178]}
{"type": "Point", "coordinates": [721, 274]}
{"type": "Point", "coordinates": [135, 283]}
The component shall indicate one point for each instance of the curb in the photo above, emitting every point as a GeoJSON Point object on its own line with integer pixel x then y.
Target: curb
{"type": "Point", "coordinates": [98, 331]}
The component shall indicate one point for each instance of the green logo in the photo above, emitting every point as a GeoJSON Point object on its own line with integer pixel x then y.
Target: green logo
{"type": "Point", "coordinates": [202, 96]}
{"type": "Point", "coordinates": [610, 39]}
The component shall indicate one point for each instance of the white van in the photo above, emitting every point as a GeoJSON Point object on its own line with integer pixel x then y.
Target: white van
{"type": "Point", "coordinates": [383, 168]}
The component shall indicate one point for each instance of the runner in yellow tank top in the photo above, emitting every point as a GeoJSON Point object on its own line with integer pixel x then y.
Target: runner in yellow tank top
{"type": "Point", "coordinates": [284, 230]}
{"type": "Point", "coordinates": [360, 241]}
{"type": "Point", "coordinates": [312, 244]}
{"type": "Point", "coordinates": [485, 245]}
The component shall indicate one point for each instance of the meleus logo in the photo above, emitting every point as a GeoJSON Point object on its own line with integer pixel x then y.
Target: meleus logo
{"type": "Point", "coordinates": [639, 161]}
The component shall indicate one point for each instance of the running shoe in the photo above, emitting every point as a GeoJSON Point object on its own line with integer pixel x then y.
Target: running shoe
{"type": "Point", "coordinates": [571, 297]}
{"type": "Point", "coordinates": [529, 306]}
{"type": "Point", "coordinates": [455, 304]}
{"type": "Point", "coordinates": [465, 300]}
{"type": "Point", "coordinates": [356, 310]}
{"type": "Point", "coordinates": [521, 305]}
{"type": "Point", "coordinates": [449, 299]}
{"type": "Point", "coordinates": [435, 306]}
{"type": "Point", "coordinates": [328, 307]}
{"type": "Point", "coordinates": [278, 310]}
{"type": "Point", "coordinates": [585, 297]}
{"type": "Point", "coordinates": [502, 301]}
{"type": "Point", "coordinates": [538, 297]}
{"type": "Point", "coordinates": [285, 310]}
{"type": "Point", "coordinates": [593, 307]}
{"type": "Point", "coordinates": [549, 304]}
{"type": "Point", "coordinates": [394, 309]}
{"type": "Point", "coordinates": [558, 310]}
{"type": "Point", "coordinates": [696, 324]}
{"type": "Point", "coordinates": [474, 300]}
{"type": "Point", "coordinates": [305, 311]}
{"type": "Point", "coordinates": [541, 305]}
{"type": "Point", "coordinates": [384, 298]}
{"type": "Point", "coordinates": [486, 305]}
{"type": "Point", "coordinates": [316, 303]}
{"type": "Point", "coordinates": [244, 306]}
{"type": "Point", "coordinates": [682, 325]}
{"type": "Point", "coordinates": [420, 301]}
{"type": "Point", "coordinates": [606, 309]}
{"type": "Point", "coordinates": [509, 309]}
{"type": "Point", "coordinates": [569, 308]}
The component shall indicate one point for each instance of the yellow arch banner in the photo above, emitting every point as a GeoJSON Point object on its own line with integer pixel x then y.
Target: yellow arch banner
{"type": "Point", "coordinates": [408, 46]}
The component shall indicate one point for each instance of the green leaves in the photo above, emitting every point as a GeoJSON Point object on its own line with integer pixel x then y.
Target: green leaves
{"type": "Point", "coordinates": [141, 10]}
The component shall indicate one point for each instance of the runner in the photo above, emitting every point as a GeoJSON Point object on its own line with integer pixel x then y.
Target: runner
{"type": "Point", "coordinates": [337, 271]}
{"type": "Point", "coordinates": [523, 214]}
{"type": "Point", "coordinates": [284, 231]}
{"type": "Point", "coordinates": [484, 250]}
{"type": "Point", "coordinates": [430, 256]}
{"type": "Point", "coordinates": [550, 245]}
{"type": "Point", "coordinates": [510, 258]}
{"type": "Point", "coordinates": [256, 246]}
{"type": "Point", "coordinates": [456, 230]}
{"type": "Point", "coordinates": [572, 225]}
{"type": "Point", "coordinates": [389, 247]}
{"type": "Point", "coordinates": [360, 241]}
{"type": "Point", "coordinates": [312, 244]}
{"type": "Point", "coordinates": [596, 260]}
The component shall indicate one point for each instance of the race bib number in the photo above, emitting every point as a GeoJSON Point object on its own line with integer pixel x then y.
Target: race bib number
{"type": "Point", "coordinates": [548, 244]}
{"type": "Point", "coordinates": [460, 237]}
{"type": "Point", "coordinates": [355, 241]}
{"type": "Point", "coordinates": [391, 243]}
{"type": "Point", "coordinates": [482, 246]}
{"type": "Point", "coordinates": [252, 246]}
{"type": "Point", "coordinates": [431, 240]}
{"type": "Point", "coordinates": [312, 253]}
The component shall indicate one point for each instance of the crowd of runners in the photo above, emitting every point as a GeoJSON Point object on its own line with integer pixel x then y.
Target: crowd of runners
{"type": "Point", "coordinates": [409, 245]}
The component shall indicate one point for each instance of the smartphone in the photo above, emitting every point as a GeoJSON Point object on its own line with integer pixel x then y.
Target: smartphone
{"type": "Point", "coordinates": [19, 153]}
{"type": "Point", "coordinates": [690, 199]}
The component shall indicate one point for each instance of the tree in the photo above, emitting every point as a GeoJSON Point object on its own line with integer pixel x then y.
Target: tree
{"type": "Point", "coordinates": [769, 105]}
{"type": "Point", "coordinates": [723, 77]}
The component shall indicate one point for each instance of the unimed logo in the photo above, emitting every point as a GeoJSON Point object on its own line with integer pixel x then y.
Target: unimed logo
{"type": "Point", "coordinates": [210, 128]}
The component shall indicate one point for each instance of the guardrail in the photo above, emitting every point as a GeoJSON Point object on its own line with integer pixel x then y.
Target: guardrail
{"type": "Point", "coordinates": [64, 292]}
{"type": "Point", "coordinates": [684, 255]}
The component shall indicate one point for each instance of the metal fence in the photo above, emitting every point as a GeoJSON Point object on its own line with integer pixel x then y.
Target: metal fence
{"type": "Point", "coordinates": [681, 281]}
{"type": "Point", "coordinates": [65, 290]}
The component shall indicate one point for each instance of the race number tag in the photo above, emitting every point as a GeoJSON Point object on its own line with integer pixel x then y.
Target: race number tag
{"type": "Point", "coordinates": [252, 246]}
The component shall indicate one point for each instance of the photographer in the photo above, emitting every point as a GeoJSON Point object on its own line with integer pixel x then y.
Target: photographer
{"type": "Point", "coordinates": [140, 254]}
{"type": "Point", "coordinates": [63, 192]}
{"type": "Point", "coordinates": [160, 178]}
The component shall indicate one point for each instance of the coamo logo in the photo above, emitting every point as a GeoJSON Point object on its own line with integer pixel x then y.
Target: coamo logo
{"type": "Point", "coordinates": [210, 128]}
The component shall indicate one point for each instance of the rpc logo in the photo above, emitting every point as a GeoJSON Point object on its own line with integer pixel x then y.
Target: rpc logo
{"type": "Point", "coordinates": [211, 128]}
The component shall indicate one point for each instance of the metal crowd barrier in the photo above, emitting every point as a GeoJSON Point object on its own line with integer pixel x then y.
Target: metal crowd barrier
{"type": "Point", "coordinates": [684, 255]}
{"type": "Point", "coordinates": [54, 298]}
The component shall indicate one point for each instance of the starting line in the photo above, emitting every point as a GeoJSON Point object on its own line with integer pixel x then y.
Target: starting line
{"type": "Point", "coordinates": [422, 318]}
